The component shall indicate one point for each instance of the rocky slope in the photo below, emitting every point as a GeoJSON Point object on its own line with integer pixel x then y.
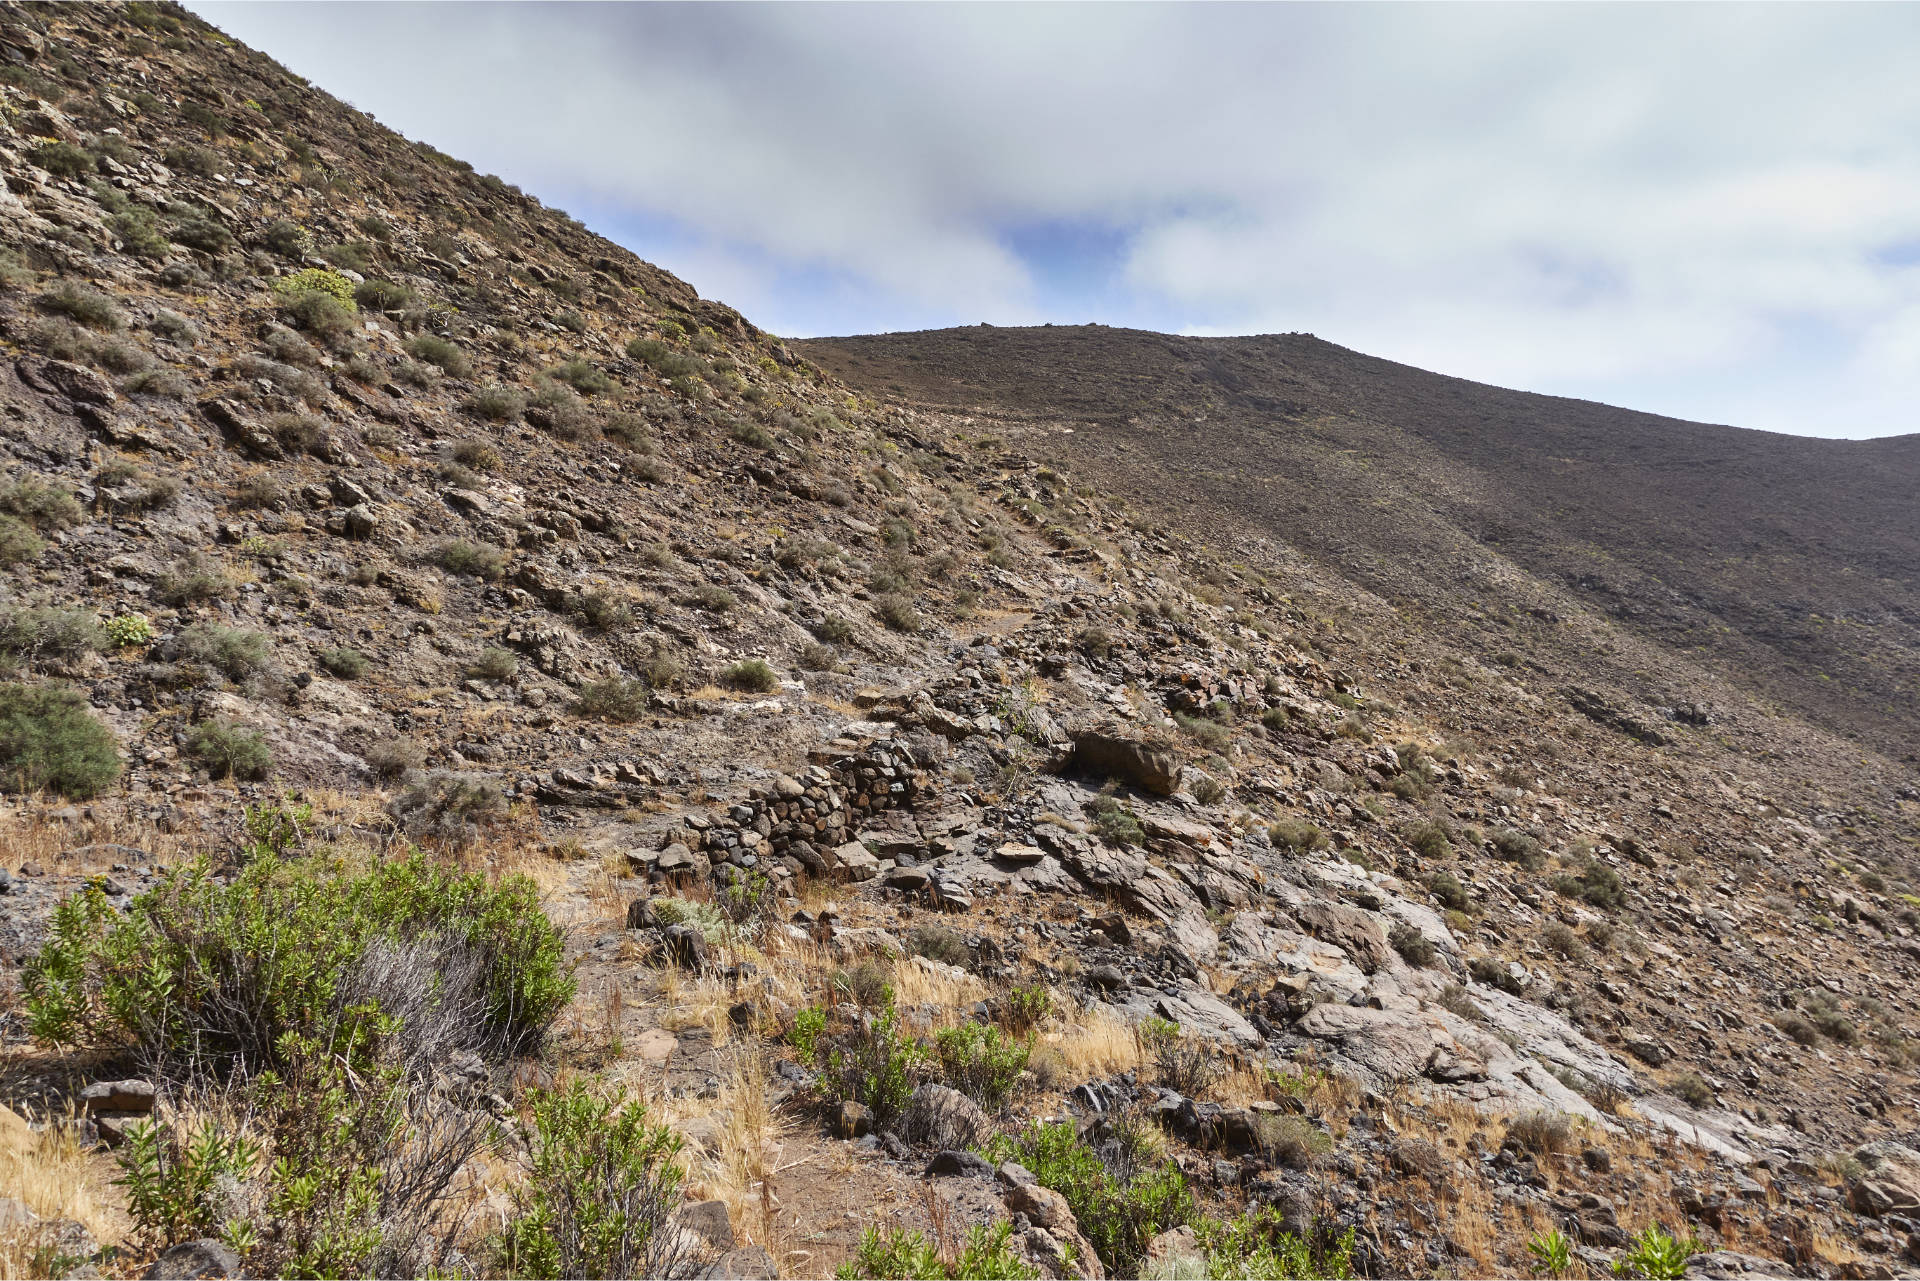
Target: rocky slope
{"type": "Point", "coordinates": [334, 468]}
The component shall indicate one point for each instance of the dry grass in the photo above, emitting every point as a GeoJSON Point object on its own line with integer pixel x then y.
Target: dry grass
{"type": "Point", "coordinates": [1097, 1045]}
{"type": "Point", "coordinates": [734, 1149]}
{"type": "Point", "coordinates": [949, 996]}
{"type": "Point", "coordinates": [53, 1175]}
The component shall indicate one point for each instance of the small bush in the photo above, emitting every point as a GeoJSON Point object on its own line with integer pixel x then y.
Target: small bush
{"type": "Point", "coordinates": [211, 973]}
{"type": "Point", "coordinates": [392, 758]}
{"type": "Point", "coordinates": [1453, 896]}
{"type": "Point", "coordinates": [315, 280]}
{"type": "Point", "coordinates": [1208, 733]}
{"type": "Point", "coordinates": [320, 314]}
{"type": "Point", "coordinates": [1027, 1008]}
{"type": "Point", "coordinates": [938, 943]}
{"type": "Point", "coordinates": [614, 699]}
{"type": "Point", "coordinates": [604, 611]}
{"type": "Point", "coordinates": [88, 306]}
{"type": "Point", "coordinates": [817, 658]}
{"type": "Point", "coordinates": [19, 545]}
{"type": "Point", "coordinates": [1296, 834]}
{"type": "Point", "coordinates": [494, 664]}
{"type": "Point", "coordinates": [1692, 1090]}
{"type": "Point", "coordinates": [229, 750]}
{"type": "Point", "coordinates": [599, 1197]}
{"type": "Point", "coordinates": [382, 295]}
{"type": "Point", "coordinates": [1657, 1256]}
{"type": "Point", "coordinates": [1413, 946]}
{"type": "Point", "coordinates": [258, 489]}
{"type": "Point", "coordinates": [1593, 882]}
{"type": "Point", "coordinates": [346, 663]}
{"type": "Point", "coordinates": [475, 560]}
{"type": "Point", "coordinates": [62, 159]}
{"type": "Point", "coordinates": [751, 674]}
{"type": "Point", "coordinates": [716, 599]}
{"type": "Point", "coordinates": [31, 633]}
{"type": "Point", "coordinates": [235, 652]}
{"type": "Point", "coordinates": [1541, 1133]}
{"type": "Point", "coordinates": [900, 1253]}
{"type": "Point", "coordinates": [496, 404]}
{"type": "Point", "coordinates": [1517, 847]}
{"type": "Point", "coordinates": [441, 354]}
{"type": "Point", "coordinates": [834, 629]}
{"type": "Point", "coordinates": [1429, 839]}
{"type": "Point", "coordinates": [1562, 941]}
{"type": "Point", "coordinates": [1257, 1244]}
{"type": "Point", "coordinates": [288, 239]}
{"type": "Point", "coordinates": [479, 455]}
{"type": "Point", "coordinates": [981, 1063]}
{"type": "Point", "coordinates": [449, 807]}
{"type": "Point", "coordinates": [156, 382]}
{"type": "Point", "coordinates": [1113, 822]}
{"type": "Point", "coordinates": [42, 503]}
{"type": "Point", "coordinates": [1119, 1205]}
{"type": "Point", "coordinates": [872, 1061]}
{"type": "Point", "coordinates": [583, 376]}
{"type": "Point", "coordinates": [898, 613]}
{"type": "Point", "coordinates": [51, 741]}
{"type": "Point", "coordinates": [124, 631]}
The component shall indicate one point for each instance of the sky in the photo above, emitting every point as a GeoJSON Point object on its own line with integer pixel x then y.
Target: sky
{"type": "Point", "coordinates": [1710, 211]}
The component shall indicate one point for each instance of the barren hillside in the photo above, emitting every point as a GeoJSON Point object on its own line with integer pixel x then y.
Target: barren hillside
{"type": "Point", "coordinates": [472, 701]}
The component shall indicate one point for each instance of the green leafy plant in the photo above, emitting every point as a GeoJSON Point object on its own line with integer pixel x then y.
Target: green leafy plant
{"type": "Point", "coordinates": [1119, 1208]}
{"type": "Point", "coordinates": [986, 1255]}
{"type": "Point", "coordinates": [345, 662]}
{"type": "Point", "coordinates": [211, 974]}
{"type": "Point", "coordinates": [319, 280]}
{"type": "Point", "coordinates": [872, 1061]}
{"type": "Point", "coordinates": [599, 1195]}
{"type": "Point", "coordinates": [124, 631]}
{"type": "Point", "coordinates": [1657, 1256]}
{"type": "Point", "coordinates": [982, 1063]}
{"type": "Point", "coordinates": [173, 1178]}
{"type": "Point", "coordinates": [51, 741]}
{"type": "Point", "coordinates": [1257, 1245]}
{"type": "Point", "coordinates": [1552, 1253]}
{"type": "Point", "coordinates": [229, 750]}
{"type": "Point", "coordinates": [1028, 1007]}
{"type": "Point", "coordinates": [753, 674]}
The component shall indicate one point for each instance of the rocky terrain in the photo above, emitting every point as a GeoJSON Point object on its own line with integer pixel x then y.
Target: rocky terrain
{"type": "Point", "coordinates": [953, 826]}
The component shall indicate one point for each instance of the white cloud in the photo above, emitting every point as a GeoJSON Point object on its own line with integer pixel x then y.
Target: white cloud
{"type": "Point", "coordinates": [1676, 208]}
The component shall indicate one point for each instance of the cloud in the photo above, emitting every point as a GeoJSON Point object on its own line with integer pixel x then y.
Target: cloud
{"type": "Point", "coordinates": [1706, 210]}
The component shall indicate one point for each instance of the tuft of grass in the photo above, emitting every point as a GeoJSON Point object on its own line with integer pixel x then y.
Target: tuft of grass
{"type": "Point", "coordinates": [753, 674]}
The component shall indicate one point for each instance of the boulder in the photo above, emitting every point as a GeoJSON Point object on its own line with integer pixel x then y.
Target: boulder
{"type": "Point", "coordinates": [942, 1117]}
{"type": "Point", "coordinates": [959, 1163]}
{"type": "Point", "coordinates": [856, 861]}
{"type": "Point", "coordinates": [749, 1263]}
{"type": "Point", "coordinates": [1175, 1253]}
{"type": "Point", "coordinates": [192, 1260]}
{"type": "Point", "coordinates": [852, 1120]}
{"type": "Point", "coordinates": [1891, 1183]}
{"type": "Point", "coordinates": [707, 1220]}
{"type": "Point", "coordinates": [1111, 752]}
{"type": "Point", "coordinates": [118, 1096]}
{"type": "Point", "coordinates": [1351, 930]}
{"type": "Point", "coordinates": [1042, 1206]}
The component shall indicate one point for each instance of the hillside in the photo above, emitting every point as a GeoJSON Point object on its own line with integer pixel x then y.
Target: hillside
{"type": "Point", "coordinates": [1788, 566]}
{"type": "Point", "coordinates": [471, 699]}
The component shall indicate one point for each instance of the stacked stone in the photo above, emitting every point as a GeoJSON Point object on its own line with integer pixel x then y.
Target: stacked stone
{"type": "Point", "coordinates": [797, 825]}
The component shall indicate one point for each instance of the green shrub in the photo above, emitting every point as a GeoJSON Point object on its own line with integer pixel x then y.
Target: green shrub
{"type": "Point", "coordinates": [817, 658]}
{"type": "Point", "coordinates": [1113, 821]}
{"type": "Point", "coordinates": [604, 611]}
{"type": "Point", "coordinates": [320, 313]}
{"type": "Point", "coordinates": [289, 239]}
{"type": "Point", "coordinates": [62, 159]}
{"type": "Point", "coordinates": [600, 1193]}
{"type": "Point", "coordinates": [192, 580]}
{"type": "Point", "coordinates": [344, 662]}
{"type": "Point", "coordinates": [899, 1253]}
{"type": "Point", "coordinates": [1518, 847]}
{"type": "Point", "coordinates": [1210, 734]}
{"type": "Point", "coordinates": [711, 597]}
{"type": "Point", "coordinates": [583, 376]}
{"type": "Point", "coordinates": [393, 758]}
{"type": "Point", "coordinates": [206, 974]}
{"type": "Point", "coordinates": [1657, 1256]}
{"type": "Point", "coordinates": [236, 652]}
{"type": "Point", "coordinates": [229, 750]}
{"type": "Point", "coordinates": [1257, 1244]}
{"type": "Point", "coordinates": [1453, 896]}
{"type": "Point", "coordinates": [449, 807]}
{"type": "Point", "coordinates": [663, 359]}
{"type": "Point", "coordinates": [981, 1063]}
{"type": "Point", "coordinates": [42, 503]}
{"type": "Point", "coordinates": [315, 280]}
{"type": "Point", "coordinates": [1692, 1089]}
{"type": "Point", "coordinates": [1592, 882]}
{"type": "Point", "coordinates": [1296, 834]}
{"type": "Point", "coordinates": [834, 629]}
{"type": "Point", "coordinates": [50, 741]}
{"type": "Point", "coordinates": [476, 560]}
{"type": "Point", "coordinates": [480, 455]}
{"type": "Point", "coordinates": [496, 404]}
{"type": "Point", "coordinates": [19, 545]}
{"type": "Point", "coordinates": [1429, 839]}
{"type": "Point", "coordinates": [176, 1180]}
{"type": "Point", "coordinates": [615, 698]}
{"type": "Point", "coordinates": [440, 353]}
{"type": "Point", "coordinates": [1562, 941]}
{"type": "Point", "coordinates": [872, 1060]}
{"type": "Point", "coordinates": [29, 633]}
{"type": "Point", "coordinates": [1028, 1007]}
{"type": "Point", "coordinates": [199, 231]}
{"type": "Point", "coordinates": [898, 613]}
{"type": "Point", "coordinates": [748, 432]}
{"type": "Point", "coordinates": [751, 674]}
{"type": "Point", "coordinates": [88, 306]}
{"type": "Point", "coordinates": [1552, 1253]}
{"type": "Point", "coordinates": [495, 664]}
{"type": "Point", "coordinates": [940, 943]}
{"type": "Point", "coordinates": [1119, 1208]}
{"type": "Point", "coordinates": [123, 631]}
{"type": "Point", "coordinates": [382, 295]}
{"type": "Point", "coordinates": [1413, 946]}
